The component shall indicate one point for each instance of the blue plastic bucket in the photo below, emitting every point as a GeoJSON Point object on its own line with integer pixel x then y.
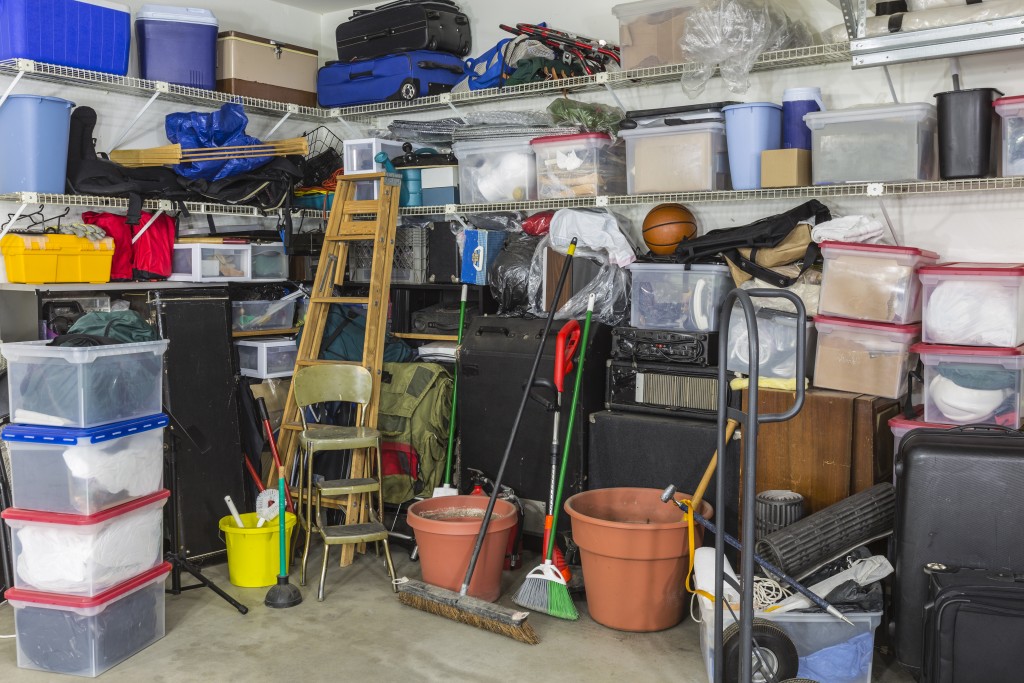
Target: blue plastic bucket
{"type": "Point", "coordinates": [750, 129]}
{"type": "Point", "coordinates": [34, 144]}
{"type": "Point", "coordinates": [796, 102]}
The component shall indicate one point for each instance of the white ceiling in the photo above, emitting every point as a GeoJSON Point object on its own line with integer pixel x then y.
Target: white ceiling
{"type": "Point", "coordinates": [324, 6]}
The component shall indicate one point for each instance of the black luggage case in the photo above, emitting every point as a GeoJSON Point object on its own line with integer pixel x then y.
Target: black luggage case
{"type": "Point", "coordinates": [404, 26]}
{"type": "Point", "coordinates": [959, 502]}
{"type": "Point", "coordinates": [494, 362]}
{"type": "Point", "coordinates": [974, 625]}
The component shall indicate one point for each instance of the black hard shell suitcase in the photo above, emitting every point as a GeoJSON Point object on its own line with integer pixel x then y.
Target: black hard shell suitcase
{"type": "Point", "coordinates": [494, 361]}
{"type": "Point", "coordinates": [974, 625]}
{"type": "Point", "coordinates": [959, 502]}
{"type": "Point", "coordinates": [403, 26]}
{"type": "Point", "coordinates": [442, 318]}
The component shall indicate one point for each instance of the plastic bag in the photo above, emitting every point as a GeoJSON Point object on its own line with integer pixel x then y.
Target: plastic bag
{"type": "Point", "coordinates": [730, 35]}
{"type": "Point", "coordinates": [509, 276]}
{"type": "Point", "coordinates": [934, 17]}
{"type": "Point", "coordinates": [539, 224]}
{"type": "Point", "coordinates": [222, 128]}
{"type": "Point", "coordinates": [597, 232]}
{"type": "Point", "coordinates": [592, 116]}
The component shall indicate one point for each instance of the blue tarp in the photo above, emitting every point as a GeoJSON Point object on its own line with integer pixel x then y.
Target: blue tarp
{"type": "Point", "coordinates": [222, 128]}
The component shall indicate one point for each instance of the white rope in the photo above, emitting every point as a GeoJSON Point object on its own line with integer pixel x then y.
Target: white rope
{"type": "Point", "coordinates": [768, 592]}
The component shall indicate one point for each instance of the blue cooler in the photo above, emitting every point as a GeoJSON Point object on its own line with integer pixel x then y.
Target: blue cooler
{"type": "Point", "coordinates": [82, 34]}
{"type": "Point", "coordinates": [479, 252]}
{"type": "Point", "coordinates": [177, 45]}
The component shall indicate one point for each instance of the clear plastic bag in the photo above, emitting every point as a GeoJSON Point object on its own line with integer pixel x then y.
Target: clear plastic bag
{"type": "Point", "coordinates": [730, 35]}
{"type": "Point", "coordinates": [610, 287]}
{"type": "Point", "coordinates": [509, 277]}
{"type": "Point", "coordinates": [591, 116]}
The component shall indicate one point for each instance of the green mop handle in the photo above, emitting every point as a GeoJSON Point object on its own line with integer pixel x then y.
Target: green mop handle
{"type": "Point", "coordinates": [568, 429]}
{"type": "Point", "coordinates": [455, 392]}
{"type": "Point", "coordinates": [280, 517]}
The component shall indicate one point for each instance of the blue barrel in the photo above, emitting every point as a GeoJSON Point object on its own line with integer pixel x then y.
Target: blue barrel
{"type": "Point", "coordinates": [34, 144]}
{"type": "Point", "coordinates": [750, 129]}
{"type": "Point", "coordinates": [796, 102]}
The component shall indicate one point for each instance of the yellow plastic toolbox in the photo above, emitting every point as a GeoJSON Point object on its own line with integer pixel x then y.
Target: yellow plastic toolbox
{"type": "Point", "coordinates": [43, 259]}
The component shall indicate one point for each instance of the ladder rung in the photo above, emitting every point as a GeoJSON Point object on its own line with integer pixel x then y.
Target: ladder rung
{"type": "Point", "coordinates": [362, 206]}
{"type": "Point", "coordinates": [356, 177]}
{"type": "Point", "coordinates": [340, 300]}
{"type": "Point", "coordinates": [308, 363]}
{"type": "Point", "coordinates": [352, 237]}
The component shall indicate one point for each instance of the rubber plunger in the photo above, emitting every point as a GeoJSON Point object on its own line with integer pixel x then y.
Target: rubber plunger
{"type": "Point", "coordinates": [284, 594]}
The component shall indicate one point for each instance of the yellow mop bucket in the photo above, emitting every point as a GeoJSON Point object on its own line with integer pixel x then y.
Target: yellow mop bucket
{"type": "Point", "coordinates": [254, 554]}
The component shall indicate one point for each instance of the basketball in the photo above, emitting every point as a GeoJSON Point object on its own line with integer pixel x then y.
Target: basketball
{"type": "Point", "coordinates": [666, 226]}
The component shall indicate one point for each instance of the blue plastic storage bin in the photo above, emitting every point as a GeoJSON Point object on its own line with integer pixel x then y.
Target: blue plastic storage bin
{"type": "Point", "coordinates": [34, 144]}
{"type": "Point", "coordinates": [177, 45]}
{"type": "Point", "coordinates": [84, 34]}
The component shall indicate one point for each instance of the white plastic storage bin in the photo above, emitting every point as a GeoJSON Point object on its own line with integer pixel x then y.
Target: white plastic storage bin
{"type": "Point", "coordinates": [883, 143]}
{"type": "Point", "coordinates": [256, 316]}
{"type": "Point", "coordinates": [86, 555]}
{"type": "Point", "coordinates": [872, 282]}
{"type": "Point", "coordinates": [667, 296]}
{"type": "Point", "coordinates": [210, 262]}
{"type": "Point", "coordinates": [84, 386]}
{"type": "Point", "coordinates": [862, 357]}
{"type": "Point", "coordinates": [85, 471]}
{"type": "Point", "coordinates": [86, 636]}
{"type": "Point", "coordinates": [580, 165]}
{"type": "Point", "coordinates": [359, 154]}
{"type": "Point", "coordinates": [972, 385]}
{"type": "Point", "coordinates": [1011, 111]}
{"type": "Point", "coordinates": [496, 170]}
{"type": "Point", "coordinates": [687, 158]}
{"type": "Point", "coordinates": [266, 358]}
{"type": "Point", "coordinates": [650, 30]}
{"type": "Point", "coordinates": [268, 262]}
{"type": "Point", "coordinates": [777, 333]}
{"type": "Point", "coordinates": [810, 633]}
{"type": "Point", "coordinates": [974, 304]}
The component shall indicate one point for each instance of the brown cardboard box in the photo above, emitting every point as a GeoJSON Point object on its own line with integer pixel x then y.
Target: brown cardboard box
{"type": "Point", "coordinates": [785, 168]}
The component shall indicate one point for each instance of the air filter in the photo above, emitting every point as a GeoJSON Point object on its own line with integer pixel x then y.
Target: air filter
{"type": "Point", "coordinates": [774, 510]}
{"type": "Point", "coordinates": [806, 544]}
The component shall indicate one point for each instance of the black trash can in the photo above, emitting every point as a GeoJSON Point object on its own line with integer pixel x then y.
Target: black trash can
{"type": "Point", "coordinates": [968, 133]}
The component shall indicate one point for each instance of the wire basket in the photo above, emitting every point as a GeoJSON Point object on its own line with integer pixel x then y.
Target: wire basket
{"type": "Point", "coordinates": [410, 263]}
{"type": "Point", "coordinates": [324, 156]}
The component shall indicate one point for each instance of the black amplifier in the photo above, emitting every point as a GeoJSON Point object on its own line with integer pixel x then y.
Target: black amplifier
{"type": "Point", "coordinates": [665, 346]}
{"type": "Point", "coordinates": [665, 389]}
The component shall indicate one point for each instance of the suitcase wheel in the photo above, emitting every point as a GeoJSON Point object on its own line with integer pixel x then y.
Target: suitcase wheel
{"type": "Point", "coordinates": [775, 651]}
{"type": "Point", "coordinates": [410, 90]}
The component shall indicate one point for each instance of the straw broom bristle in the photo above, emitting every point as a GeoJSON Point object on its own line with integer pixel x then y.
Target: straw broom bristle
{"type": "Point", "coordinates": [524, 633]}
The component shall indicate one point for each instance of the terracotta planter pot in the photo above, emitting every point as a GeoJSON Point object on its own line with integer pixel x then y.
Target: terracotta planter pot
{"type": "Point", "coordinates": [635, 555]}
{"type": "Point", "coordinates": [446, 531]}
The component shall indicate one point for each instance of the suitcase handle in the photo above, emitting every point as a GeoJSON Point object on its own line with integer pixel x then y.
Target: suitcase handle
{"type": "Point", "coordinates": [457, 70]}
{"type": "Point", "coordinates": [487, 329]}
{"type": "Point", "coordinates": [362, 74]}
{"type": "Point", "coordinates": [984, 428]}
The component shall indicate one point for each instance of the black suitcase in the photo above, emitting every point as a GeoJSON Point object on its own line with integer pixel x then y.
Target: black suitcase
{"type": "Point", "coordinates": [404, 26]}
{"type": "Point", "coordinates": [442, 318]}
{"type": "Point", "coordinates": [974, 625]}
{"type": "Point", "coordinates": [959, 503]}
{"type": "Point", "coordinates": [653, 451]}
{"type": "Point", "coordinates": [442, 254]}
{"type": "Point", "coordinates": [494, 362]}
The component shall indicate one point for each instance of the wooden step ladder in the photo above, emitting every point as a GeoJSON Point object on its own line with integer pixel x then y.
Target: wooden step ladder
{"type": "Point", "coordinates": [350, 220]}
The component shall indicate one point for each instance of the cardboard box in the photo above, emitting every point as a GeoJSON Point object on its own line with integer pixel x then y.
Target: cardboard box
{"type": "Point", "coordinates": [785, 168]}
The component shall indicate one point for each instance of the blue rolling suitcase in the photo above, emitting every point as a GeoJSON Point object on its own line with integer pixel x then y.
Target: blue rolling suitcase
{"type": "Point", "coordinates": [400, 77]}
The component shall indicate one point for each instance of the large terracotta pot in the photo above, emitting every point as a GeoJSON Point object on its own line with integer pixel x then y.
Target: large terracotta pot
{"type": "Point", "coordinates": [634, 551]}
{"type": "Point", "coordinates": [446, 530]}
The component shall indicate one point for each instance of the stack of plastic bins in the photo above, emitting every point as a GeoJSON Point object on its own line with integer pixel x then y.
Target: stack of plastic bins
{"type": "Point", "coordinates": [86, 452]}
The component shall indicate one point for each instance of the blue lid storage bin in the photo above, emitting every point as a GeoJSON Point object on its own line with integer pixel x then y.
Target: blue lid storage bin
{"type": "Point", "coordinates": [83, 34]}
{"type": "Point", "coordinates": [85, 471]}
{"type": "Point", "coordinates": [177, 45]}
{"type": "Point", "coordinates": [34, 132]}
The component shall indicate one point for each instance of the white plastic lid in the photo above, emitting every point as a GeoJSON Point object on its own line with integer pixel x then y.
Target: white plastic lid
{"type": "Point", "coordinates": [698, 268]}
{"type": "Point", "coordinates": [801, 94]}
{"type": "Point", "coordinates": [496, 145]}
{"type": "Point", "coordinates": [185, 15]}
{"type": "Point", "coordinates": [917, 111]}
{"type": "Point", "coordinates": [687, 129]}
{"type": "Point", "coordinates": [636, 9]}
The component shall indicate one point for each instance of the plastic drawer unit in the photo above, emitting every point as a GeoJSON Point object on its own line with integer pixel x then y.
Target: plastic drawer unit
{"type": "Point", "coordinates": [496, 170]}
{"type": "Point", "coordinates": [268, 261]}
{"type": "Point", "coordinates": [266, 358]}
{"type": "Point", "coordinates": [686, 158]}
{"type": "Point", "coordinates": [580, 165]}
{"type": "Point", "coordinates": [85, 471]}
{"type": "Point", "coordinates": [667, 296]}
{"type": "Point", "coordinates": [887, 143]}
{"type": "Point", "coordinates": [974, 304]}
{"type": "Point", "coordinates": [211, 262]}
{"type": "Point", "coordinates": [257, 316]}
{"type": "Point", "coordinates": [872, 282]}
{"type": "Point", "coordinates": [972, 385]}
{"type": "Point", "coordinates": [86, 636]}
{"type": "Point", "coordinates": [862, 357]}
{"type": "Point", "coordinates": [84, 386]}
{"type": "Point", "coordinates": [86, 555]}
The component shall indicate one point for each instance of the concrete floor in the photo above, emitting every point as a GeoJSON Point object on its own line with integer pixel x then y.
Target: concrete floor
{"type": "Point", "coordinates": [362, 632]}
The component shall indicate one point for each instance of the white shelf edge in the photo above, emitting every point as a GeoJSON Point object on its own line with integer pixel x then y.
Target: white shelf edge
{"type": "Point", "coordinates": [203, 208]}
{"type": "Point", "coordinates": [107, 286]}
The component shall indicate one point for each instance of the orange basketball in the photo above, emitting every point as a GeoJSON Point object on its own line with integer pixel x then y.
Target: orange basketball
{"type": "Point", "coordinates": [666, 226]}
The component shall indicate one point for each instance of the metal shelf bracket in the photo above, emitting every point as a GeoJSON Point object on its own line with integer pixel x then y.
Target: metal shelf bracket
{"type": "Point", "coordinates": [161, 88]}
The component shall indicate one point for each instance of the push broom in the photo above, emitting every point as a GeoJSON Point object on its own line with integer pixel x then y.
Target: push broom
{"type": "Point", "coordinates": [459, 606]}
{"type": "Point", "coordinates": [544, 589]}
{"type": "Point", "coordinates": [447, 489]}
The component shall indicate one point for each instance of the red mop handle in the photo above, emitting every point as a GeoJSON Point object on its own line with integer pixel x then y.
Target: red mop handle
{"type": "Point", "coordinates": [265, 416]}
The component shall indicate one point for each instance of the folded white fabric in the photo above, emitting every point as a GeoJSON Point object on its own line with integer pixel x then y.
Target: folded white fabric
{"type": "Point", "coordinates": [137, 468]}
{"type": "Point", "coordinates": [962, 404]}
{"type": "Point", "coordinates": [862, 229]}
{"type": "Point", "coordinates": [972, 314]}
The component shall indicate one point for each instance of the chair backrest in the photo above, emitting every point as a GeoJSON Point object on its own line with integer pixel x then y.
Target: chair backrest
{"type": "Point", "coordinates": [323, 383]}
